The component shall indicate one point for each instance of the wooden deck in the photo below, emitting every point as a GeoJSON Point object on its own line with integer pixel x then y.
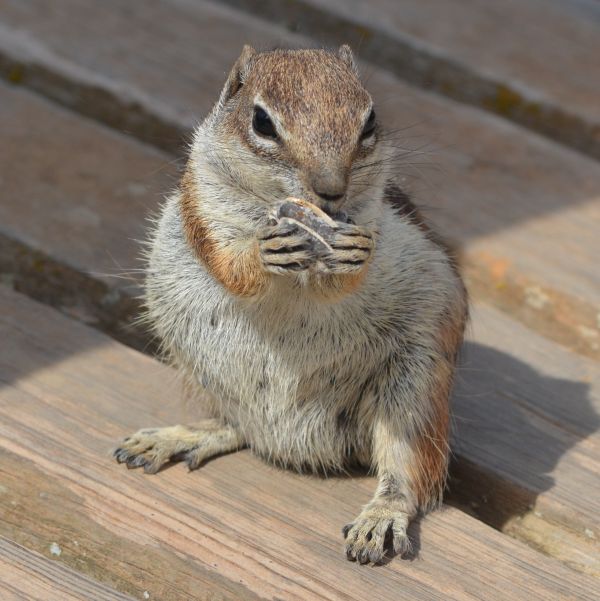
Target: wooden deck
{"type": "Point", "coordinates": [90, 137]}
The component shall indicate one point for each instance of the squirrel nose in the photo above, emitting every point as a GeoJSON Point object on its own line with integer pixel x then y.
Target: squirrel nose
{"type": "Point", "coordinates": [329, 185]}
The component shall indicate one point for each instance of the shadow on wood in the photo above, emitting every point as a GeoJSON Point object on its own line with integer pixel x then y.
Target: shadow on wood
{"type": "Point", "coordinates": [514, 430]}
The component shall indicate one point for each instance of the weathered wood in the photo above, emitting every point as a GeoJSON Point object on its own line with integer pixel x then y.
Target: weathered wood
{"type": "Point", "coordinates": [457, 48]}
{"type": "Point", "coordinates": [532, 61]}
{"type": "Point", "coordinates": [76, 199]}
{"type": "Point", "coordinates": [524, 209]}
{"type": "Point", "coordinates": [236, 528]}
{"type": "Point", "coordinates": [527, 438]}
{"type": "Point", "coordinates": [25, 574]}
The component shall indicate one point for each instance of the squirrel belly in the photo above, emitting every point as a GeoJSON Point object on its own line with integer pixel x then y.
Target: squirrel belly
{"type": "Point", "coordinates": [296, 373]}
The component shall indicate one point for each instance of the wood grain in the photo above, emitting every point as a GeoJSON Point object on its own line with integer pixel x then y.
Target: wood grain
{"type": "Point", "coordinates": [236, 528]}
{"type": "Point", "coordinates": [552, 43]}
{"type": "Point", "coordinates": [526, 429]}
{"type": "Point", "coordinates": [25, 574]}
{"type": "Point", "coordinates": [71, 224]}
{"type": "Point", "coordinates": [525, 210]}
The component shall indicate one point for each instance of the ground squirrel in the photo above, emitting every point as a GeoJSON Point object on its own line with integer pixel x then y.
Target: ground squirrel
{"type": "Point", "coordinates": [312, 364]}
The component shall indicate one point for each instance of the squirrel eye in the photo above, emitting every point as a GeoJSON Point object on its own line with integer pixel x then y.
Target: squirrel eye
{"type": "Point", "coordinates": [369, 127]}
{"type": "Point", "coordinates": [262, 124]}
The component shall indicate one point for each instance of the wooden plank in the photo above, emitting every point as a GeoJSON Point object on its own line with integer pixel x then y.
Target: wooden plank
{"type": "Point", "coordinates": [527, 413]}
{"type": "Point", "coordinates": [524, 209]}
{"type": "Point", "coordinates": [524, 60]}
{"type": "Point", "coordinates": [528, 60]}
{"type": "Point", "coordinates": [236, 528]}
{"type": "Point", "coordinates": [25, 574]}
{"type": "Point", "coordinates": [71, 221]}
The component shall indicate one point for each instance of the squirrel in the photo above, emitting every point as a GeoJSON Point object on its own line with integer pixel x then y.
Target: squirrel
{"type": "Point", "coordinates": [314, 365]}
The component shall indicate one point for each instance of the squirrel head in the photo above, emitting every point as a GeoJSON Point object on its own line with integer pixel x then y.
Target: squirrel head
{"type": "Point", "coordinates": [294, 123]}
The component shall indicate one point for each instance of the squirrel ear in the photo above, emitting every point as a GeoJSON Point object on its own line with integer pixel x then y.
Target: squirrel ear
{"type": "Point", "coordinates": [345, 53]}
{"type": "Point", "coordinates": [237, 75]}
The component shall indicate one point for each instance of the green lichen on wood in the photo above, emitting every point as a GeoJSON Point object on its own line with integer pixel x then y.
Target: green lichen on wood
{"type": "Point", "coordinates": [505, 101]}
{"type": "Point", "coordinates": [15, 74]}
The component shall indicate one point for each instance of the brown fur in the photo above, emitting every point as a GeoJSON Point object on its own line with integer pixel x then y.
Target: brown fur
{"type": "Point", "coordinates": [332, 288]}
{"type": "Point", "coordinates": [430, 465]}
{"type": "Point", "coordinates": [240, 273]}
{"type": "Point", "coordinates": [318, 115]}
{"type": "Point", "coordinates": [429, 470]}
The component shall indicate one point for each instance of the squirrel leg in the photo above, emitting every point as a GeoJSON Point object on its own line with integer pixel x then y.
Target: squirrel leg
{"type": "Point", "coordinates": [410, 451]}
{"type": "Point", "coordinates": [153, 447]}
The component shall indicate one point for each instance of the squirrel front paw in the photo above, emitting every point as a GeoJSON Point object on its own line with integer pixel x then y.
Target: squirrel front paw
{"type": "Point", "coordinates": [351, 248]}
{"type": "Point", "coordinates": [286, 248]}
